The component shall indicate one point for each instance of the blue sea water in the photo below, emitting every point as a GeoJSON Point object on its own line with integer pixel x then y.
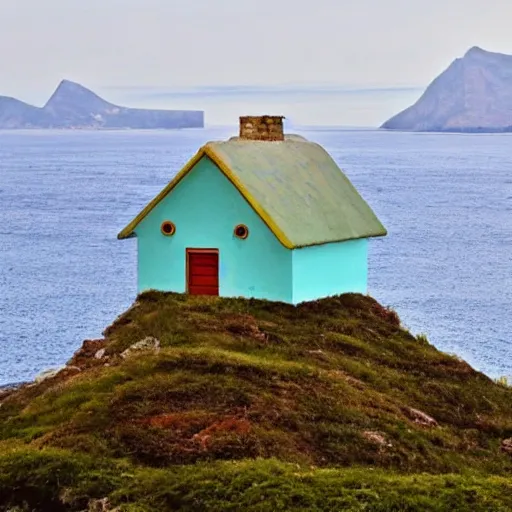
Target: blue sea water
{"type": "Point", "coordinates": [446, 265]}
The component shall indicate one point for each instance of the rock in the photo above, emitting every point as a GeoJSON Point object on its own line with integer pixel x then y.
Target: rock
{"type": "Point", "coordinates": [100, 354]}
{"type": "Point", "coordinates": [73, 106]}
{"type": "Point", "coordinates": [147, 344]}
{"type": "Point", "coordinates": [421, 418]}
{"type": "Point", "coordinates": [62, 371]}
{"type": "Point", "coordinates": [86, 353]}
{"type": "Point", "coordinates": [244, 325]}
{"type": "Point", "coordinates": [102, 505]}
{"type": "Point", "coordinates": [506, 446]}
{"type": "Point", "coordinates": [376, 438]}
{"type": "Point", "coordinates": [319, 354]}
{"type": "Point", "coordinates": [9, 389]}
{"type": "Point", "coordinates": [48, 374]}
{"type": "Point", "coordinates": [67, 371]}
{"type": "Point", "coordinates": [474, 94]}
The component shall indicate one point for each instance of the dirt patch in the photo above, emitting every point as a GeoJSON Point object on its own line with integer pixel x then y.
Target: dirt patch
{"type": "Point", "coordinates": [179, 421]}
{"type": "Point", "coordinates": [84, 356]}
{"type": "Point", "coordinates": [229, 425]}
{"type": "Point", "coordinates": [244, 325]}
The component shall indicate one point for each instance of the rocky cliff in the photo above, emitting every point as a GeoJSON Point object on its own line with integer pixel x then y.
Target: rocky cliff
{"type": "Point", "coordinates": [473, 95]}
{"type": "Point", "coordinates": [74, 106]}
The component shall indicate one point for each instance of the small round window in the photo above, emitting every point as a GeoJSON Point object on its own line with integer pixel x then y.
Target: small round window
{"type": "Point", "coordinates": [242, 231]}
{"type": "Point", "coordinates": [168, 228]}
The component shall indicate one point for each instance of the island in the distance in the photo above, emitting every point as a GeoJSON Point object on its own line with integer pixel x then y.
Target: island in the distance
{"type": "Point", "coordinates": [473, 95]}
{"type": "Point", "coordinates": [72, 106]}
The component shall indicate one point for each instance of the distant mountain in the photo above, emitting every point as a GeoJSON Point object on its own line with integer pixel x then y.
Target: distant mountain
{"type": "Point", "coordinates": [473, 95]}
{"type": "Point", "coordinates": [74, 106]}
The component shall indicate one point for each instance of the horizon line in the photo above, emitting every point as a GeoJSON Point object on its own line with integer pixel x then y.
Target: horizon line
{"type": "Point", "coordinates": [218, 90]}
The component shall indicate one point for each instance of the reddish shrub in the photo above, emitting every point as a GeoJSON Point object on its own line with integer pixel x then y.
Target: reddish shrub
{"type": "Point", "coordinates": [228, 425]}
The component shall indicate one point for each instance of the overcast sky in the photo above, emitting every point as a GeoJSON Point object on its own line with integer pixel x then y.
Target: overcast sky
{"type": "Point", "coordinates": [361, 43]}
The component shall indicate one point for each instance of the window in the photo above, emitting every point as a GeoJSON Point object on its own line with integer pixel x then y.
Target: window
{"type": "Point", "coordinates": [242, 231]}
{"type": "Point", "coordinates": [168, 228]}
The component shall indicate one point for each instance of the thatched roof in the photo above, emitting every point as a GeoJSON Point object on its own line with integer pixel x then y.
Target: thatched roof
{"type": "Point", "coordinates": [295, 187]}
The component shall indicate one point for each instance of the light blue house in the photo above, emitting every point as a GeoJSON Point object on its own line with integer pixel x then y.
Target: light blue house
{"type": "Point", "coordinates": [262, 215]}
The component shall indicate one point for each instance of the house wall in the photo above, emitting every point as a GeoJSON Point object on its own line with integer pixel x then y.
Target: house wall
{"type": "Point", "coordinates": [206, 207]}
{"type": "Point", "coordinates": [330, 269]}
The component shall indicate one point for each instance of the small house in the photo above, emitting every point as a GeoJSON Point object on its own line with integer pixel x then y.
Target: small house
{"type": "Point", "coordinates": [263, 215]}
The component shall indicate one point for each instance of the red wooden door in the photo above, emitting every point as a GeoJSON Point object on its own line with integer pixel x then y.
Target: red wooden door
{"type": "Point", "coordinates": [203, 272]}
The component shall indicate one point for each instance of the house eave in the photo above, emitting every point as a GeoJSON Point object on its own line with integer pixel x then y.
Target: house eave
{"type": "Point", "coordinates": [340, 240]}
{"type": "Point", "coordinates": [128, 230]}
{"type": "Point", "coordinates": [208, 151]}
{"type": "Point", "coordinates": [120, 236]}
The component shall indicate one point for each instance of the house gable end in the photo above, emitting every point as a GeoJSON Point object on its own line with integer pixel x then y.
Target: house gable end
{"type": "Point", "coordinates": [206, 208]}
{"type": "Point", "coordinates": [207, 152]}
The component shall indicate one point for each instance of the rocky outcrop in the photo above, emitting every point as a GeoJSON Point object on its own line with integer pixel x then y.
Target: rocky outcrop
{"type": "Point", "coordinates": [473, 95]}
{"type": "Point", "coordinates": [148, 344]}
{"type": "Point", "coordinates": [86, 355]}
{"type": "Point", "coordinates": [48, 374]}
{"type": "Point", "coordinates": [72, 106]}
{"type": "Point", "coordinates": [506, 446]}
{"type": "Point", "coordinates": [377, 438]}
{"type": "Point", "coordinates": [420, 418]}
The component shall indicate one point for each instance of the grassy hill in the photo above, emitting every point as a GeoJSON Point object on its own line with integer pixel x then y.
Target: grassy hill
{"type": "Point", "coordinates": [248, 404]}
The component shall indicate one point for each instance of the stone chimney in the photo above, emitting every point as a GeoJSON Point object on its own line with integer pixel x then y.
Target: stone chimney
{"type": "Point", "coordinates": [268, 128]}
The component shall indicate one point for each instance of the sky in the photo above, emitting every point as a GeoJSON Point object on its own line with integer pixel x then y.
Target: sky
{"type": "Point", "coordinates": [127, 49]}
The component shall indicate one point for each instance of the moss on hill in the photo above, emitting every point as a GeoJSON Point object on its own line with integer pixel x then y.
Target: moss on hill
{"type": "Point", "coordinates": [250, 404]}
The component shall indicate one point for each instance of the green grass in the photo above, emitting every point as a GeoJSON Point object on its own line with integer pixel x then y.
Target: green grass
{"type": "Point", "coordinates": [262, 405]}
{"type": "Point", "coordinates": [57, 480]}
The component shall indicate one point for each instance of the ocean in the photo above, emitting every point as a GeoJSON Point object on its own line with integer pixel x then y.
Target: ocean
{"type": "Point", "coordinates": [445, 267]}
